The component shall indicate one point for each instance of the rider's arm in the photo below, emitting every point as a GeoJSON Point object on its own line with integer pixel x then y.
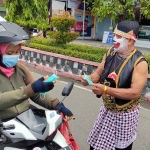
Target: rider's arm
{"type": "Point", "coordinates": [48, 102]}
{"type": "Point", "coordinates": [12, 98]}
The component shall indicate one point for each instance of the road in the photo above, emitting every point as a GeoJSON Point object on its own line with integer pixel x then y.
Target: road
{"type": "Point", "coordinates": [85, 107]}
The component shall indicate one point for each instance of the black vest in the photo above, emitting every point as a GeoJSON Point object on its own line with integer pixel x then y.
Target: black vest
{"type": "Point", "coordinates": [125, 71]}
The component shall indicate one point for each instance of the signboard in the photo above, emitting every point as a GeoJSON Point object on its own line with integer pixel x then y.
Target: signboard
{"type": "Point", "coordinates": [144, 32]}
{"type": "Point", "coordinates": [58, 5]}
{"type": "Point", "coordinates": [87, 25]}
{"type": "Point", "coordinates": [79, 26]}
{"type": "Point", "coordinates": [73, 4]}
{"type": "Point", "coordinates": [107, 37]}
{"type": "Point", "coordinates": [110, 38]}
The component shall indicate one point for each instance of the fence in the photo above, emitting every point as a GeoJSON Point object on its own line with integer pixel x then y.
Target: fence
{"type": "Point", "coordinates": [65, 65]}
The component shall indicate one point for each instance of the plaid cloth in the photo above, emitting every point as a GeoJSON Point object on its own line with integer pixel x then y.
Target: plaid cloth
{"type": "Point", "coordinates": [114, 130]}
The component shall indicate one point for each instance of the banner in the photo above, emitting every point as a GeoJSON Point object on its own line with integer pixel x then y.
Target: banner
{"type": "Point", "coordinates": [79, 27]}
{"type": "Point", "coordinates": [73, 4]}
{"type": "Point", "coordinates": [58, 5]}
{"type": "Point", "coordinates": [87, 25]}
{"type": "Point", "coordinates": [107, 37]}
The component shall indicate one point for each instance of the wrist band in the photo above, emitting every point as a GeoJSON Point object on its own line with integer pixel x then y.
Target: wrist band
{"type": "Point", "coordinates": [105, 89]}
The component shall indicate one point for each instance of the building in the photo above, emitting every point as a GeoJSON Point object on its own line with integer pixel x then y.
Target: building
{"type": "Point", "coordinates": [2, 9]}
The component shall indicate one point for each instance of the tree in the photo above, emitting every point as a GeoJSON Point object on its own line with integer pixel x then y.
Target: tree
{"type": "Point", "coordinates": [119, 10]}
{"type": "Point", "coordinates": [28, 13]}
{"type": "Point", "coordinates": [62, 25]}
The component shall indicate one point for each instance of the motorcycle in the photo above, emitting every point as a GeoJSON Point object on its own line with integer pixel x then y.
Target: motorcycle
{"type": "Point", "coordinates": [35, 129]}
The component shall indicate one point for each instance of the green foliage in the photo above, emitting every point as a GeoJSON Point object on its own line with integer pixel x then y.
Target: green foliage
{"type": "Point", "coordinates": [90, 53]}
{"type": "Point", "coordinates": [63, 37]}
{"type": "Point", "coordinates": [73, 50]}
{"type": "Point", "coordinates": [119, 10]}
{"type": "Point", "coordinates": [62, 25]}
{"type": "Point", "coordinates": [72, 47]}
{"type": "Point", "coordinates": [147, 56]}
{"type": "Point", "coordinates": [115, 10]}
{"type": "Point", "coordinates": [145, 8]}
{"type": "Point", "coordinates": [31, 13]}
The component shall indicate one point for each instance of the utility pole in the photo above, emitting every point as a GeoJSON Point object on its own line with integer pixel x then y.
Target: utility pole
{"type": "Point", "coordinates": [49, 7]}
{"type": "Point", "coordinates": [51, 29]}
{"type": "Point", "coordinates": [83, 26]}
{"type": "Point", "coordinates": [50, 10]}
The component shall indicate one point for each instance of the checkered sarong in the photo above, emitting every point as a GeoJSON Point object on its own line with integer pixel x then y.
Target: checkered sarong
{"type": "Point", "coordinates": [113, 130]}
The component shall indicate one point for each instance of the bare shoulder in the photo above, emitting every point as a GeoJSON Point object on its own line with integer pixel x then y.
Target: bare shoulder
{"type": "Point", "coordinates": [139, 77]}
{"type": "Point", "coordinates": [141, 67]}
{"type": "Point", "coordinates": [140, 72]}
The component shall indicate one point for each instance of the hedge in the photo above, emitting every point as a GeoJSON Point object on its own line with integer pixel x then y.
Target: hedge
{"type": "Point", "coordinates": [74, 50]}
{"type": "Point", "coordinates": [74, 47]}
{"type": "Point", "coordinates": [68, 52]}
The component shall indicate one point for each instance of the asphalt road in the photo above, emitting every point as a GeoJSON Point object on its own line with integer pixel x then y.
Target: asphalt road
{"type": "Point", "coordinates": [85, 107]}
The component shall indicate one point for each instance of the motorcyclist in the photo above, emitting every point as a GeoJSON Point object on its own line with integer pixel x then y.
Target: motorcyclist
{"type": "Point", "coordinates": [17, 84]}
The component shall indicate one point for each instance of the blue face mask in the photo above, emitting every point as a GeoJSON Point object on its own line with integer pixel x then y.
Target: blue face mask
{"type": "Point", "coordinates": [10, 60]}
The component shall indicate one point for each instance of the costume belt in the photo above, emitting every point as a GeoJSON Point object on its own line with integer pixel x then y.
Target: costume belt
{"type": "Point", "coordinates": [113, 107]}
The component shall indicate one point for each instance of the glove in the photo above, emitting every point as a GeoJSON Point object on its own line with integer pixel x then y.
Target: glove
{"type": "Point", "coordinates": [40, 86]}
{"type": "Point", "coordinates": [60, 107]}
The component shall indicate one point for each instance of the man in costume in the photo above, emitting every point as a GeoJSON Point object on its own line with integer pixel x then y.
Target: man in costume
{"type": "Point", "coordinates": [119, 79]}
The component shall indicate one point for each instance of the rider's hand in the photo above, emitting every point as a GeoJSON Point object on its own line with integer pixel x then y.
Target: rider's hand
{"type": "Point", "coordinates": [83, 81]}
{"type": "Point", "coordinates": [67, 113]}
{"type": "Point", "coordinates": [40, 86]}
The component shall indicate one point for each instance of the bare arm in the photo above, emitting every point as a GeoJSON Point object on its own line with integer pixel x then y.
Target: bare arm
{"type": "Point", "coordinates": [95, 75]}
{"type": "Point", "coordinates": [139, 78]}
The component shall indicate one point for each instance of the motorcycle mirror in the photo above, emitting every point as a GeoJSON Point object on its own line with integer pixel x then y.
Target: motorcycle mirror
{"type": "Point", "coordinates": [67, 89]}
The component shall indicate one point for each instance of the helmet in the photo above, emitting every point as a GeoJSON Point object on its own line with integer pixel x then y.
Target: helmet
{"type": "Point", "coordinates": [11, 32]}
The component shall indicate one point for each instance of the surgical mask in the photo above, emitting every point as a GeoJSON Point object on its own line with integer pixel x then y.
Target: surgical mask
{"type": "Point", "coordinates": [10, 60]}
{"type": "Point", "coordinates": [123, 44]}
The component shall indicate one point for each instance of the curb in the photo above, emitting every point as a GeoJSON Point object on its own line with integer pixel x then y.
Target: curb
{"type": "Point", "coordinates": [65, 65]}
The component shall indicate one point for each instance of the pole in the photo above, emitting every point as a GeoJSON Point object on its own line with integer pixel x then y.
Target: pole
{"type": "Point", "coordinates": [83, 21]}
{"type": "Point", "coordinates": [66, 4]}
{"type": "Point", "coordinates": [50, 11]}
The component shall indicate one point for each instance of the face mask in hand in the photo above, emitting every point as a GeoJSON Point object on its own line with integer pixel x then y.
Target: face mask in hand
{"type": "Point", "coordinates": [10, 60]}
{"type": "Point", "coordinates": [120, 44]}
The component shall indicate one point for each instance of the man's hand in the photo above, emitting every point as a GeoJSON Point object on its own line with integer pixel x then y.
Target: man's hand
{"type": "Point", "coordinates": [67, 113]}
{"type": "Point", "coordinates": [83, 81]}
{"type": "Point", "coordinates": [97, 89]}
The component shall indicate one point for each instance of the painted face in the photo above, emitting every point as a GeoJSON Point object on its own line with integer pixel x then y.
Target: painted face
{"type": "Point", "coordinates": [120, 43]}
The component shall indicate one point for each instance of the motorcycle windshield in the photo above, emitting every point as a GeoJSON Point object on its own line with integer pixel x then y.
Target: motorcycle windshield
{"type": "Point", "coordinates": [35, 120]}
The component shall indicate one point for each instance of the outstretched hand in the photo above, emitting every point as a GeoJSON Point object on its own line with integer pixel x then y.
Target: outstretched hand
{"type": "Point", "coordinates": [41, 86]}
{"type": "Point", "coordinates": [83, 81]}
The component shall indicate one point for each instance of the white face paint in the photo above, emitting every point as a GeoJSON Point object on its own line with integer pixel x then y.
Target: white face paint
{"type": "Point", "coordinates": [120, 44]}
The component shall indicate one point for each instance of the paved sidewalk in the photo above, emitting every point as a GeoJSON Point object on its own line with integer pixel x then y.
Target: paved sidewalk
{"type": "Point", "coordinates": [143, 48]}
